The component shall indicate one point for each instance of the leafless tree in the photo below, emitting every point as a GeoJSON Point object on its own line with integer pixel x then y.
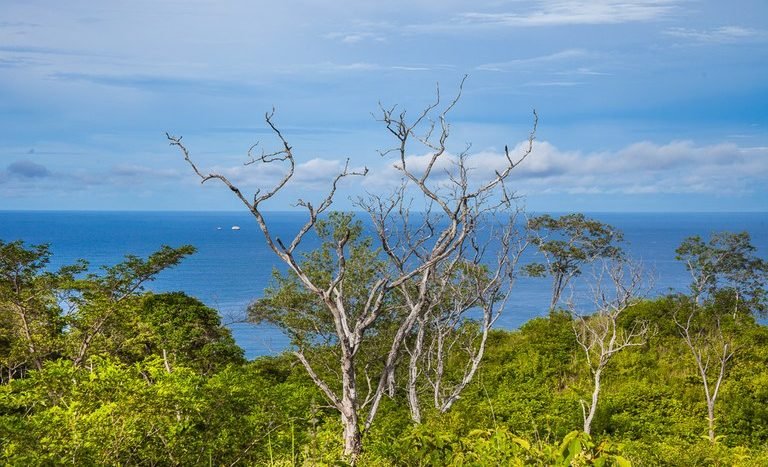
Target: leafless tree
{"type": "Point", "coordinates": [414, 252]}
{"type": "Point", "coordinates": [712, 349]}
{"type": "Point", "coordinates": [615, 286]}
{"type": "Point", "coordinates": [465, 285]}
{"type": "Point", "coordinates": [727, 284]}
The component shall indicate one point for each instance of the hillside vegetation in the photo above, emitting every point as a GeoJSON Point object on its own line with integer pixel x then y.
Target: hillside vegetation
{"type": "Point", "coordinates": [96, 371]}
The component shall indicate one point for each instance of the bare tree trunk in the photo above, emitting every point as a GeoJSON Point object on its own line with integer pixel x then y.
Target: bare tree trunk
{"type": "Point", "coordinates": [711, 421]}
{"type": "Point", "coordinates": [437, 386]}
{"type": "Point", "coordinates": [413, 373]}
{"type": "Point", "coordinates": [711, 395]}
{"type": "Point", "coordinates": [701, 346]}
{"type": "Point", "coordinates": [412, 257]}
{"type": "Point", "coordinates": [349, 405]}
{"type": "Point", "coordinates": [353, 442]}
{"type": "Point", "coordinates": [165, 362]}
{"type": "Point", "coordinates": [593, 406]}
{"type": "Point", "coordinates": [386, 379]}
{"type": "Point", "coordinates": [468, 376]}
{"type": "Point", "coordinates": [600, 335]}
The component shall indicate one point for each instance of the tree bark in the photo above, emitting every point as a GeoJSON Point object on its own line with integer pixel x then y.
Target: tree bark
{"type": "Point", "coordinates": [412, 260]}
{"type": "Point", "coordinates": [557, 289]}
{"type": "Point", "coordinates": [349, 419]}
{"type": "Point", "coordinates": [28, 335]}
{"type": "Point", "coordinates": [593, 407]}
{"type": "Point", "coordinates": [413, 374]}
{"type": "Point", "coordinates": [353, 442]}
{"type": "Point", "coordinates": [711, 421]}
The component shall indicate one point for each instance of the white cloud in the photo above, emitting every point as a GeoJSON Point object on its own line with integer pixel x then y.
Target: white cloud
{"type": "Point", "coordinates": [566, 12]}
{"type": "Point", "coordinates": [720, 35]}
{"type": "Point", "coordinates": [553, 83]}
{"type": "Point", "coordinates": [411, 68]}
{"type": "Point", "coordinates": [357, 67]}
{"type": "Point", "coordinates": [142, 172]}
{"type": "Point", "coordinates": [678, 167]}
{"type": "Point", "coordinates": [640, 168]}
{"type": "Point", "coordinates": [525, 64]}
{"type": "Point", "coordinates": [582, 71]}
{"type": "Point", "coordinates": [314, 174]}
{"type": "Point", "coordinates": [356, 37]}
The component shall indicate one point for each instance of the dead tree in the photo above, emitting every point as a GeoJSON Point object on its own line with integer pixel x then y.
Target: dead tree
{"type": "Point", "coordinates": [467, 285]}
{"type": "Point", "coordinates": [413, 255]}
{"type": "Point", "coordinates": [614, 287]}
{"type": "Point", "coordinates": [727, 287]}
{"type": "Point", "coordinates": [711, 349]}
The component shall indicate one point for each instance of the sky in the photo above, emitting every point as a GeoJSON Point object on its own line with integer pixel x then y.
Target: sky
{"type": "Point", "coordinates": [643, 105]}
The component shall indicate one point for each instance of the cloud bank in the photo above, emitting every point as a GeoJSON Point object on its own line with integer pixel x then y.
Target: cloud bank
{"type": "Point", "coordinates": [640, 168]}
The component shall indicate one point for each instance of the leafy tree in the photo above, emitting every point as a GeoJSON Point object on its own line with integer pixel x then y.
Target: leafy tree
{"type": "Point", "coordinates": [301, 313]}
{"type": "Point", "coordinates": [187, 333]}
{"type": "Point", "coordinates": [519, 410]}
{"type": "Point", "coordinates": [111, 413]}
{"type": "Point", "coordinates": [568, 243]}
{"type": "Point", "coordinates": [726, 268]}
{"type": "Point", "coordinates": [99, 300]}
{"type": "Point", "coordinates": [48, 315]}
{"type": "Point", "coordinates": [30, 314]}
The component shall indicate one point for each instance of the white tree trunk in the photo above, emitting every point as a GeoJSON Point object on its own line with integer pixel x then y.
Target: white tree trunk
{"type": "Point", "coordinates": [413, 374]}
{"type": "Point", "coordinates": [593, 407]}
{"type": "Point", "coordinates": [349, 419]}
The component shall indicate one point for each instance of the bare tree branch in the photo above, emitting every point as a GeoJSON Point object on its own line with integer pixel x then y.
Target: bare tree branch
{"type": "Point", "coordinates": [615, 286]}
{"type": "Point", "coordinates": [420, 251]}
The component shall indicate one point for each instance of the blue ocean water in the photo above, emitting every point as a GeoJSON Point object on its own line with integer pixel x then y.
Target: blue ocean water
{"type": "Point", "coordinates": [232, 267]}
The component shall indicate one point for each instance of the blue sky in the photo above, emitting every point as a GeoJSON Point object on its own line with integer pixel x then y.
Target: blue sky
{"type": "Point", "coordinates": [644, 105]}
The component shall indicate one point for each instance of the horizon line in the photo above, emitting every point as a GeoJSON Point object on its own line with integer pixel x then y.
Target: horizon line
{"type": "Point", "coordinates": [302, 211]}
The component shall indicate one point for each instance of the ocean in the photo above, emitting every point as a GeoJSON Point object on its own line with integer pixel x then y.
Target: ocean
{"type": "Point", "coordinates": [232, 267]}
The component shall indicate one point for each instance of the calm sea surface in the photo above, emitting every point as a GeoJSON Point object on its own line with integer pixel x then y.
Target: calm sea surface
{"type": "Point", "coordinates": [231, 268]}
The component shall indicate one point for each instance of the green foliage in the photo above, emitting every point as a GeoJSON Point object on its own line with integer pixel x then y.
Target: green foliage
{"type": "Point", "coordinates": [103, 301]}
{"type": "Point", "coordinates": [125, 404]}
{"type": "Point", "coordinates": [521, 410]}
{"type": "Point", "coordinates": [573, 239]}
{"type": "Point", "coordinates": [31, 320]}
{"type": "Point", "coordinates": [300, 313]}
{"type": "Point", "coordinates": [112, 413]}
{"type": "Point", "coordinates": [726, 268]}
{"type": "Point", "coordinates": [498, 446]}
{"type": "Point", "coordinates": [568, 243]}
{"type": "Point", "coordinates": [727, 290]}
{"type": "Point", "coordinates": [101, 315]}
{"type": "Point", "coordinates": [189, 332]}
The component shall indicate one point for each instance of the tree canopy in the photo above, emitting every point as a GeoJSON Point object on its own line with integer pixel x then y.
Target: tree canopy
{"type": "Point", "coordinates": [164, 384]}
{"type": "Point", "coordinates": [568, 243]}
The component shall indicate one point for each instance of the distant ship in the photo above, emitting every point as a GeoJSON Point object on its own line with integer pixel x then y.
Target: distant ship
{"type": "Point", "coordinates": [235, 227]}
